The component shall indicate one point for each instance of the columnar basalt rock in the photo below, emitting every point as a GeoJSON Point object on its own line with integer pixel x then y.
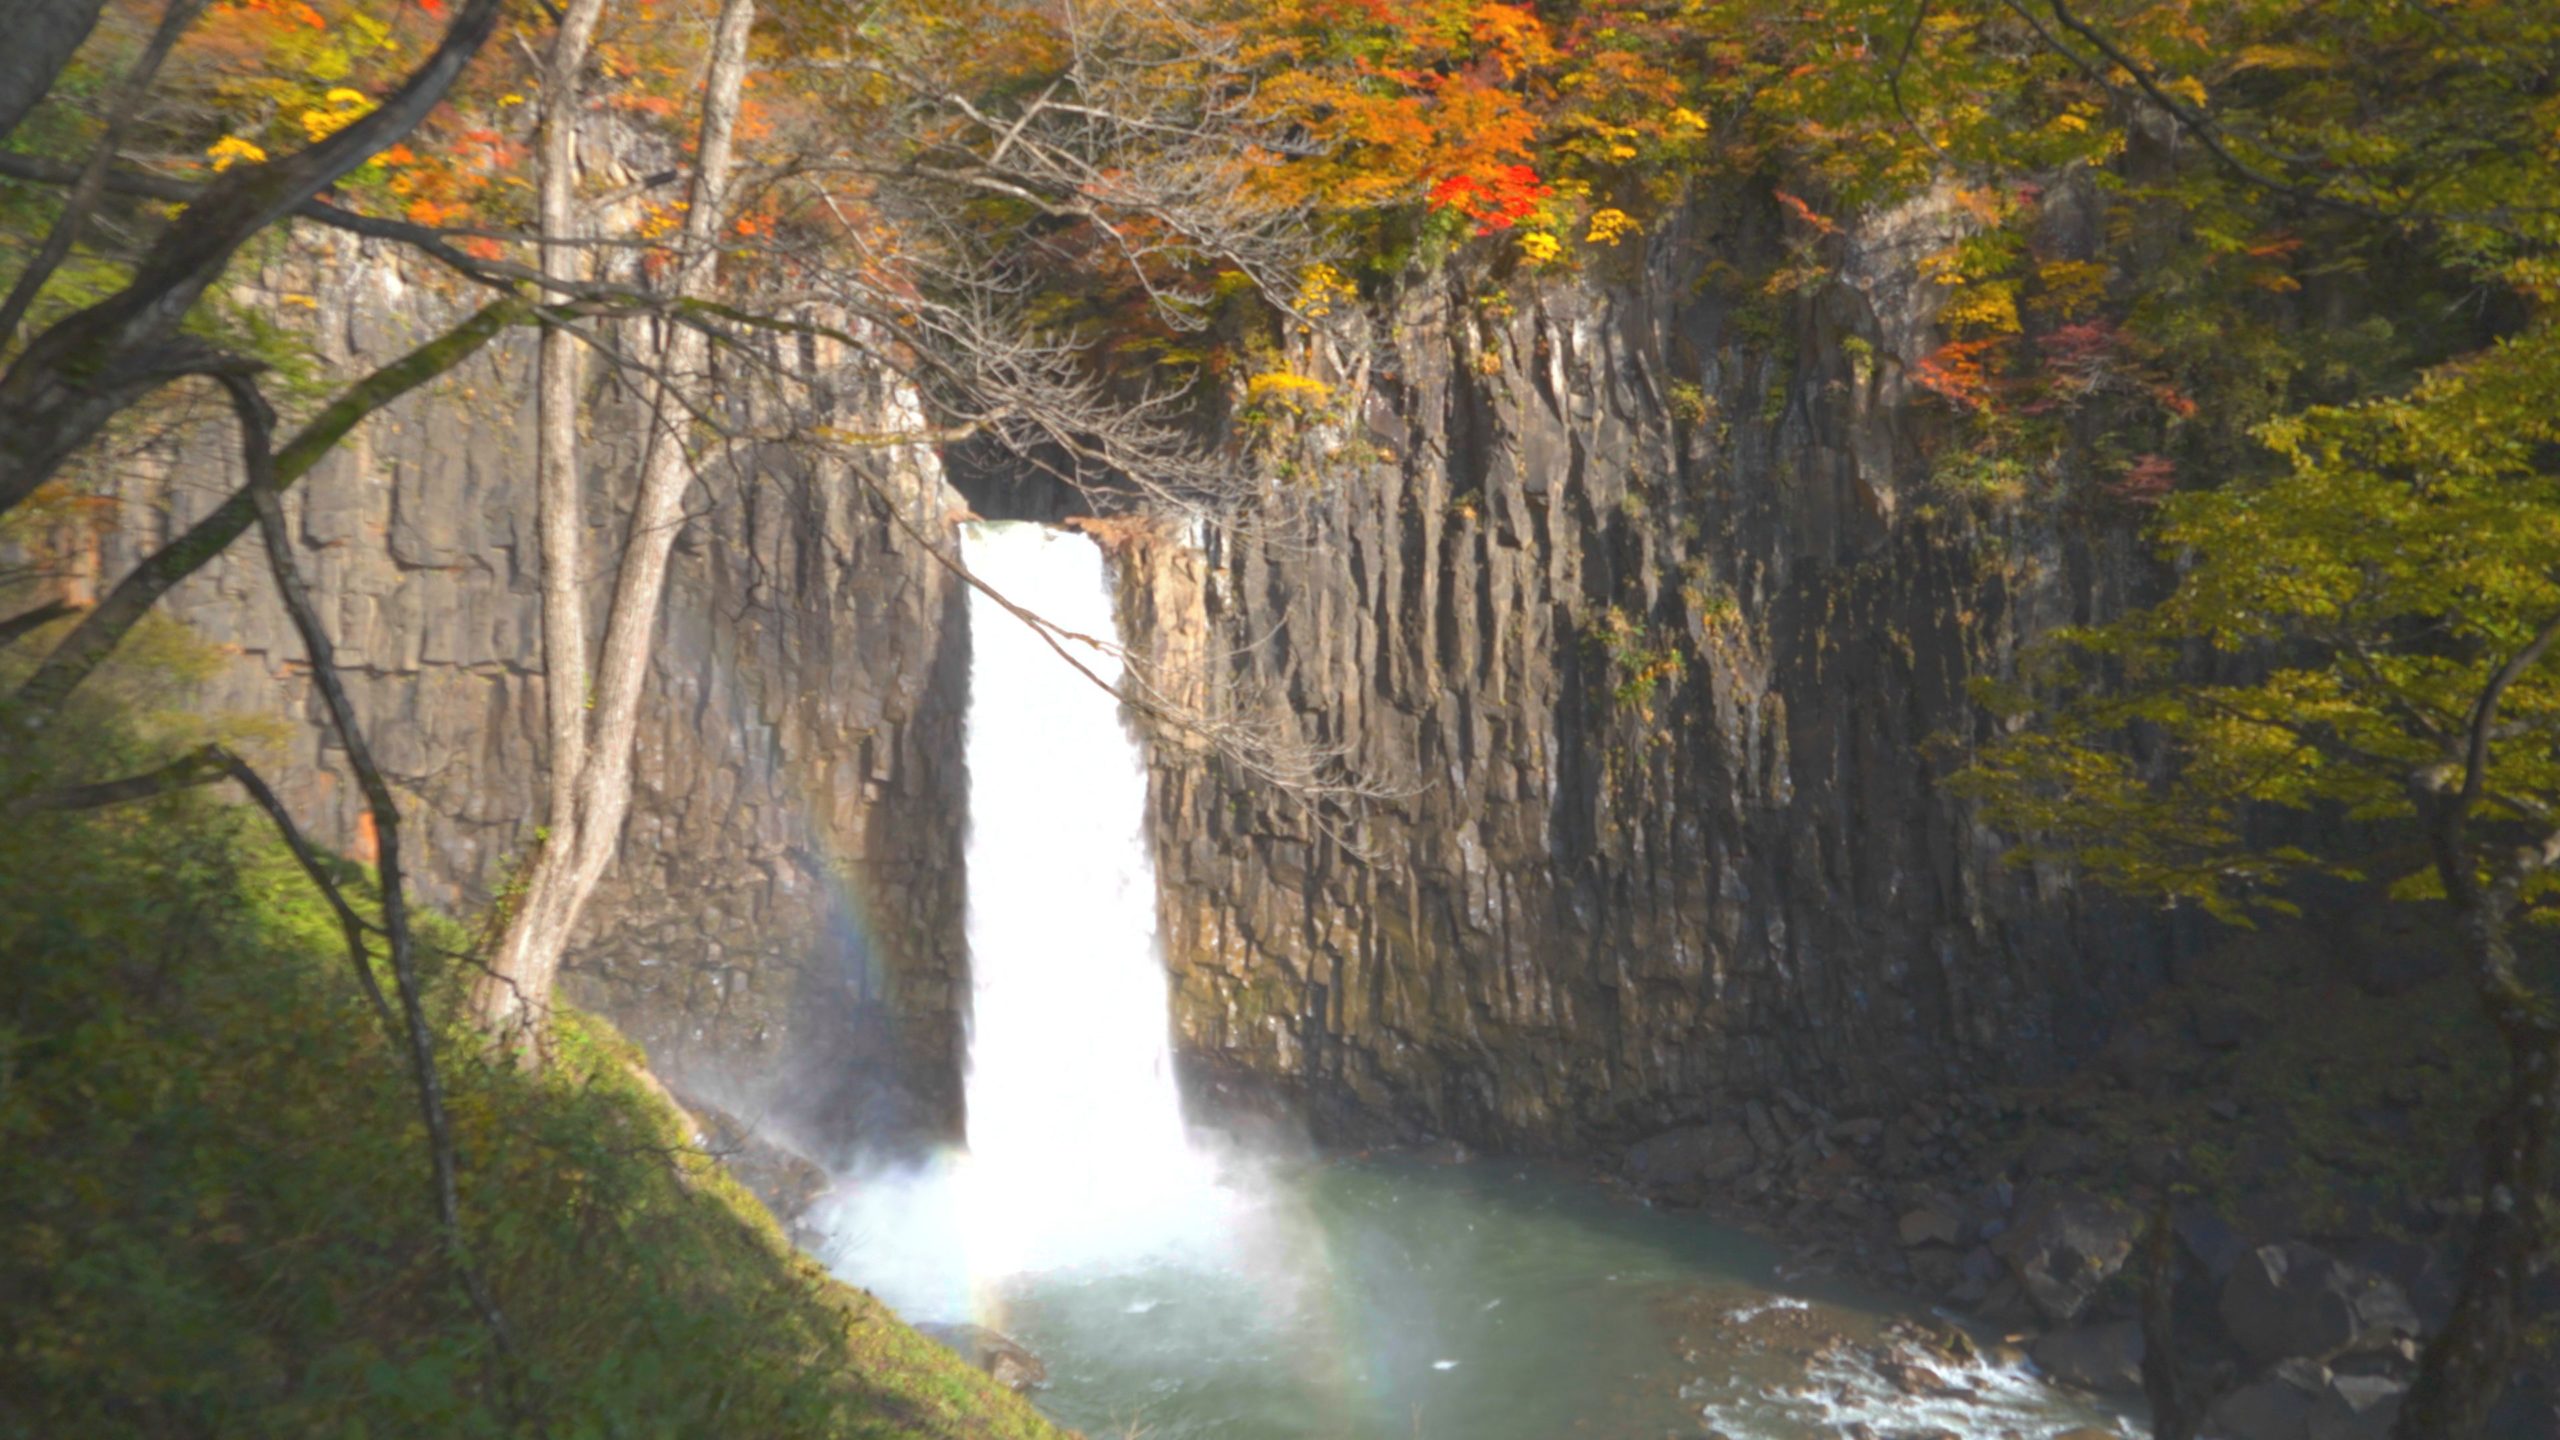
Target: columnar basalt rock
{"type": "Point", "coordinates": [1641, 589]}
{"type": "Point", "coordinates": [783, 928]}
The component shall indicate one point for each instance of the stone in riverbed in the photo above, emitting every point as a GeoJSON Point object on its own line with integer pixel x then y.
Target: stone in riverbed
{"type": "Point", "coordinates": [2066, 1243]}
{"type": "Point", "coordinates": [2295, 1299]}
{"type": "Point", "coordinates": [2106, 1359]}
{"type": "Point", "coordinates": [2356, 1407]}
{"type": "Point", "coordinates": [1002, 1357]}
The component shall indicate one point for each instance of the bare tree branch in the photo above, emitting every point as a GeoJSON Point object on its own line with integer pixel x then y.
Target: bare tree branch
{"type": "Point", "coordinates": [121, 110]}
{"type": "Point", "coordinates": [265, 496]}
{"type": "Point", "coordinates": [75, 376]}
{"type": "Point", "coordinates": [204, 765]}
{"type": "Point", "coordinates": [41, 695]}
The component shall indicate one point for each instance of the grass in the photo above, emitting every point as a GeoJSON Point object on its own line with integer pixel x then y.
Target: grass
{"type": "Point", "coordinates": [215, 1214]}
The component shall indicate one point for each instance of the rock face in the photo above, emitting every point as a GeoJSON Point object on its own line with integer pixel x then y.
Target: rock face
{"type": "Point", "coordinates": [1634, 594]}
{"type": "Point", "coordinates": [1637, 594]}
{"type": "Point", "coordinates": [783, 928]}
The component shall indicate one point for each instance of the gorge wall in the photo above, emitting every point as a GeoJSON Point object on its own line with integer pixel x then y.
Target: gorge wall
{"type": "Point", "coordinates": [1637, 592]}
{"type": "Point", "coordinates": [783, 928]}
{"type": "Point", "coordinates": [1631, 590]}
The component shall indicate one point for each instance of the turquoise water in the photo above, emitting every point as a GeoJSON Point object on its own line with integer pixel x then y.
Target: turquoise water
{"type": "Point", "coordinates": [1399, 1299]}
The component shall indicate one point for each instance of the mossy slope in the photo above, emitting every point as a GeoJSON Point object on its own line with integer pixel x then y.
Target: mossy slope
{"type": "Point", "coordinates": [215, 1213]}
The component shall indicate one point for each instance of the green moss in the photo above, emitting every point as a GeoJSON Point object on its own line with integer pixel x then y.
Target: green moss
{"type": "Point", "coordinates": [216, 1214]}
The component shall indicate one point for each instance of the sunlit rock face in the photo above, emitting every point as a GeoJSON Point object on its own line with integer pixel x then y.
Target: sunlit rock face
{"type": "Point", "coordinates": [1606, 903]}
{"type": "Point", "coordinates": [783, 929]}
{"type": "Point", "coordinates": [1600, 905]}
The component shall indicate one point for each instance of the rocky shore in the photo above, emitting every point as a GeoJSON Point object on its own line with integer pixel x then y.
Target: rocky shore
{"type": "Point", "coordinates": [2298, 1120]}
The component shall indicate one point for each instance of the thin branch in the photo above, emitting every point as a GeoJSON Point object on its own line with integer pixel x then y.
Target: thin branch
{"type": "Point", "coordinates": [86, 368]}
{"type": "Point", "coordinates": [121, 110]}
{"type": "Point", "coordinates": [35, 619]}
{"type": "Point", "coordinates": [41, 695]}
{"type": "Point", "coordinates": [204, 765]}
{"type": "Point", "coordinates": [2484, 715]}
{"type": "Point", "coordinates": [264, 491]}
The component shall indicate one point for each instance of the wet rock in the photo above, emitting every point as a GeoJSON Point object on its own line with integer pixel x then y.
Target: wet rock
{"type": "Point", "coordinates": [2065, 1244]}
{"type": "Point", "coordinates": [2293, 1299]}
{"type": "Point", "coordinates": [2059, 1153]}
{"type": "Point", "coordinates": [2104, 1359]}
{"type": "Point", "coordinates": [1689, 1158]}
{"type": "Point", "coordinates": [2356, 1407]}
{"type": "Point", "coordinates": [1976, 1274]}
{"type": "Point", "coordinates": [1918, 1381]}
{"type": "Point", "coordinates": [2276, 1406]}
{"type": "Point", "coordinates": [1002, 1357]}
{"type": "Point", "coordinates": [1937, 1270]}
{"type": "Point", "coordinates": [1862, 1131]}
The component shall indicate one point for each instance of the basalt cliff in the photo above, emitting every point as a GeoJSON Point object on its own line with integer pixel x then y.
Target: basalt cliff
{"type": "Point", "coordinates": [1628, 595]}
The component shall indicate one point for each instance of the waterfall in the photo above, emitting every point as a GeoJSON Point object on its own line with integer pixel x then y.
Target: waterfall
{"type": "Point", "coordinates": [1076, 1154]}
{"type": "Point", "coordinates": [1071, 1098]}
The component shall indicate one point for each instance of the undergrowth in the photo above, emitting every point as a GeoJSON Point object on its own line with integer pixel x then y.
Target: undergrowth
{"type": "Point", "coordinates": [215, 1213]}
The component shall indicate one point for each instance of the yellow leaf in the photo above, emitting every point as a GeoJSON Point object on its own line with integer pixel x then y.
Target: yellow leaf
{"type": "Point", "coordinates": [230, 150]}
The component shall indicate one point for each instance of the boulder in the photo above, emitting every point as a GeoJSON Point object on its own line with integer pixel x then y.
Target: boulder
{"type": "Point", "coordinates": [2292, 1299]}
{"type": "Point", "coordinates": [1002, 1357]}
{"type": "Point", "coordinates": [2065, 1244]}
{"type": "Point", "coordinates": [2105, 1359]}
{"type": "Point", "coordinates": [2275, 1406]}
{"type": "Point", "coordinates": [1931, 1225]}
{"type": "Point", "coordinates": [2356, 1407]}
{"type": "Point", "coordinates": [1692, 1156]}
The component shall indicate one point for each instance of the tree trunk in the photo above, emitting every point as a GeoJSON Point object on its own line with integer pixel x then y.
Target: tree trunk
{"type": "Point", "coordinates": [515, 996]}
{"type": "Point", "coordinates": [42, 36]}
{"type": "Point", "coordinates": [504, 1001]}
{"type": "Point", "coordinates": [2466, 1364]}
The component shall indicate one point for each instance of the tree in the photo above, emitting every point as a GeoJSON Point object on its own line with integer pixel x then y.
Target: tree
{"type": "Point", "coordinates": [83, 370]}
{"type": "Point", "coordinates": [2392, 595]}
{"type": "Point", "coordinates": [944, 186]}
{"type": "Point", "coordinates": [47, 33]}
{"type": "Point", "coordinates": [591, 735]}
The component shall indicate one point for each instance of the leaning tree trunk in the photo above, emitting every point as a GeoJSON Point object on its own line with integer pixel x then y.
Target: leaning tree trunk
{"type": "Point", "coordinates": [503, 1000]}
{"type": "Point", "coordinates": [2466, 1364]}
{"type": "Point", "coordinates": [513, 999]}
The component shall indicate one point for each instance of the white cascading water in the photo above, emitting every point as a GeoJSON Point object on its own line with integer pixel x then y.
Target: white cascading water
{"type": "Point", "coordinates": [1071, 1096]}
{"type": "Point", "coordinates": [1076, 1154]}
